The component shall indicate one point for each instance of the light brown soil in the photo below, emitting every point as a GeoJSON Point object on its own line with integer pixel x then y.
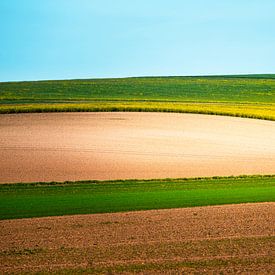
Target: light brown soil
{"type": "Point", "coordinates": [229, 239]}
{"type": "Point", "coordinates": [79, 146]}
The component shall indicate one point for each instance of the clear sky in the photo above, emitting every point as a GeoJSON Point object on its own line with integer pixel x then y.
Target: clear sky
{"type": "Point", "coordinates": [60, 39]}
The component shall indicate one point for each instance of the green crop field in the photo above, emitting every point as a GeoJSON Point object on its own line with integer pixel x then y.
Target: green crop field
{"type": "Point", "coordinates": [245, 96]}
{"type": "Point", "coordinates": [52, 199]}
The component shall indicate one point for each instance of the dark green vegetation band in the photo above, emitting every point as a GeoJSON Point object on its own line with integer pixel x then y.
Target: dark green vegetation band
{"type": "Point", "coordinates": [53, 199]}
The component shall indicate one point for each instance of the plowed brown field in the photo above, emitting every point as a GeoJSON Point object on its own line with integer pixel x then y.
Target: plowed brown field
{"type": "Point", "coordinates": [84, 146]}
{"type": "Point", "coordinates": [228, 239]}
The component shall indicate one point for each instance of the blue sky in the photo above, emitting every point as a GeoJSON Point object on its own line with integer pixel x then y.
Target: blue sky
{"type": "Point", "coordinates": [61, 39]}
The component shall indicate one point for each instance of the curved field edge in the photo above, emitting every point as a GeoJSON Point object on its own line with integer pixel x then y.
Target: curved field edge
{"type": "Point", "coordinates": [266, 112]}
{"type": "Point", "coordinates": [241, 96]}
{"type": "Point", "coordinates": [88, 197]}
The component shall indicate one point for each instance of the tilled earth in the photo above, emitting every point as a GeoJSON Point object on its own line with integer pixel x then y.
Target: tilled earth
{"type": "Point", "coordinates": [228, 239]}
{"type": "Point", "coordinates": [102, 146]}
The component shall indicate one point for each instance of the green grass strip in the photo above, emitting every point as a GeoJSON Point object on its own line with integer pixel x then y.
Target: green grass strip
{"type": "Point", "coordinates": [53, 199]}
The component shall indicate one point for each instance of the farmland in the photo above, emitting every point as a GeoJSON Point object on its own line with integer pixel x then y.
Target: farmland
{"type": "Point", "coordinates": [128, 145]}
{"type": "Point", "coordinates": [195, 217]}
{"type": "Point", "coordinates": [137, 137]}
{"type": "Point", "coordinates": [245, 96]}
{"type": "Point", "coordinates": [52, 199]}
{"type": "Point", "coordinates": [218, 239]}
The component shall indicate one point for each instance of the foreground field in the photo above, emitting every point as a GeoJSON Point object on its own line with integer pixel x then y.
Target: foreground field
{"type": "Point", "coordinates": [246, 96]}
{"type": "Point", "coordinates": [219, 239]}
{"type": "Point", "coordinates": [103, 146]}
{"type": "Point", "coordinates": [53, 199]}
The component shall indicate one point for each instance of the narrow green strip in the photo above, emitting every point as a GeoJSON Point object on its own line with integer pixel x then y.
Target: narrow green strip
{"type": "Point", "coordinates": [26, 200]}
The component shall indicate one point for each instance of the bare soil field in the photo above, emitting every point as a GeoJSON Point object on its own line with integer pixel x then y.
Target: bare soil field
{"type": "Point", "coordinates": [229, 239]}
{"type": "Point", "coordinates": [84, 146]}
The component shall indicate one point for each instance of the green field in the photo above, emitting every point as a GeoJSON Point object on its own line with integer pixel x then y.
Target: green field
{"type": "Point", "coordinates": [246, 96]}
{"type": "Point", "coordinates": [53, 199]}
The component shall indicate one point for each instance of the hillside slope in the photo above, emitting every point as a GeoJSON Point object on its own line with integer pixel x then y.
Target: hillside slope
{"type": "Point", "coordinates": [246, 95]}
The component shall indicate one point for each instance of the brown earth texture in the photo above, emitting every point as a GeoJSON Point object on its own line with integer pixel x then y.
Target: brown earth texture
{"type": "Point", "coordinates": [85, 146]}
{"type": "Point", "coordinates": [227, 239]}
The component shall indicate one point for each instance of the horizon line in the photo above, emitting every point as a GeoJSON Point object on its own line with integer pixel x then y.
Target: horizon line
{"type": "Point", "coordinates": [142, 76]}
